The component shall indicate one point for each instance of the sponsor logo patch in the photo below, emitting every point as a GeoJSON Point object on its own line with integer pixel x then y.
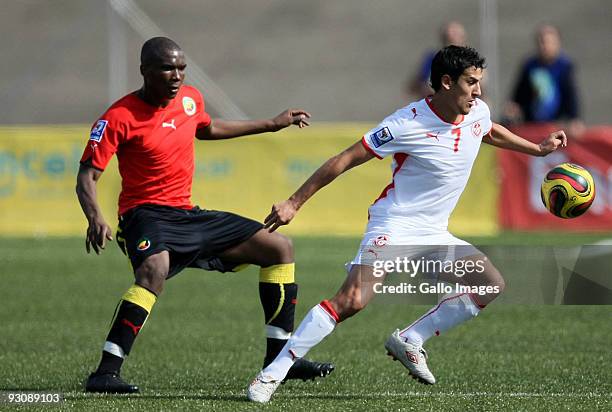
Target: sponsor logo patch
{"type": "Point", "coordinates": [189, 105]}
{"type": "Point", "coordinates": [98, 130]}
{"type": "Point", "coordinates": [381, 136]}
{"type": "Point", "coordinates": [143, 244]}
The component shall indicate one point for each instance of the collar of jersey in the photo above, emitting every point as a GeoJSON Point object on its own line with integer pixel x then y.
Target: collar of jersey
{"type": "Point", "coordinates": [428, 101]}
{"type": "Point", "coordinates": [149, 106]}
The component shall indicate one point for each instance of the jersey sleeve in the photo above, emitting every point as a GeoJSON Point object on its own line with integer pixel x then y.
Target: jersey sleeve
{"type": "Point", "coordinates": [487, 124]}
{"type": "Point", "coordinates": [104, 139]}
{"type": "Point", "coordinates": [203, 117]}
{"type": "Point", "coordinates": [385, 139]}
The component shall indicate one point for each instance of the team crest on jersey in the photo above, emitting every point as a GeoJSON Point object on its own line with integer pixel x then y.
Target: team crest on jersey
{"type": "Point", "coordinates": [189, 105]}
{"type": "Point", "coordinates": [476, 129]}
{"type": "Point", "coordinates": [381, 136]}
{"type": "Point", "coordinates": [98, 130]}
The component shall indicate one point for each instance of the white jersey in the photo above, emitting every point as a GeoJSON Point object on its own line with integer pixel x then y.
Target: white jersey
{"type": "Point", "coordinates": [432, 161]}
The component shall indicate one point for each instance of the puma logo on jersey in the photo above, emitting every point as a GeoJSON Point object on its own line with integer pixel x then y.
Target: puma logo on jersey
{"type": "Point", "coordinates": [414, 113]}
{"type": "Point", "coordinates": [171, 124]}
{"type": "Point", "coordinates": [433, 136]}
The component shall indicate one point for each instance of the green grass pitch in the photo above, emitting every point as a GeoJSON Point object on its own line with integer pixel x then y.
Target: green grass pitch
{"type": "Point", "coordinates": [204, 340]}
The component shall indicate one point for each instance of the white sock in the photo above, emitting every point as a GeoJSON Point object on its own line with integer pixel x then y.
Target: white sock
{"type": "Point", "coordinates": [319, 322]}
{"type": "Point", "coordinates": [450, 312]}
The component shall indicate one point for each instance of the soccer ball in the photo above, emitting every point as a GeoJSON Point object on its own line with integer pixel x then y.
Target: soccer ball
{"type": "Point", "coordinates": [568, 190]}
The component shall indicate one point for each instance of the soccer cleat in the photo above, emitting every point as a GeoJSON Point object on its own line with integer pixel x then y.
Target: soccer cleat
{"type": "Point", "coordinates": [308, 370]}
{"type": "Point", "coordinates": [108, 383]}
{"type": "Point", "coordinates": [413, 357]}
{"type": "Point", "coordinates": [262, 388]}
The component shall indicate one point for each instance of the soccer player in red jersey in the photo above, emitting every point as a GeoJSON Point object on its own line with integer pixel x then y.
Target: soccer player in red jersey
{"type": "Point", "coordinates": [152, 133]}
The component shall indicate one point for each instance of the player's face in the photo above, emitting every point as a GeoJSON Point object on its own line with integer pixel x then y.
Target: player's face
{"type": "Point", "coordinates": [466, 89]}
{"type": "Point", "coordinates": [165, 77]}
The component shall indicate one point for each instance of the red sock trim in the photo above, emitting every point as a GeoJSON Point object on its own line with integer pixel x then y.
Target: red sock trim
{"type": "Point", "coordinates": [473, 297]}
{"type": "Point", "coordinates": [327, 307]}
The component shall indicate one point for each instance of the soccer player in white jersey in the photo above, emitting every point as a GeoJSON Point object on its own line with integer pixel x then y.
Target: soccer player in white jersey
{"type": "Point", "coordinates": [433, 143]}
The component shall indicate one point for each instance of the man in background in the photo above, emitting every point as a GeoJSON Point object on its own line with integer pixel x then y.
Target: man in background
{"type": "Point", "coordinates": [546, 90]}
{"type": "Point", "coordinates": [451, 33]}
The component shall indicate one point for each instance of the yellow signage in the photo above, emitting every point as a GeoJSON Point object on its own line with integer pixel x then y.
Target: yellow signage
{"type": "Point", "coordinates": [247, 175]}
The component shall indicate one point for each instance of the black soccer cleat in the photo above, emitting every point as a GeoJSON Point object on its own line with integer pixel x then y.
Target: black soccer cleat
{"type": "Point", "coordinates": [309, 370]}
{"type": "Point", "coordinates": [108, 383]}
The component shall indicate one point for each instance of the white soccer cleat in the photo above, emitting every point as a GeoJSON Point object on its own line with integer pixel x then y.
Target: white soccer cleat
{"type": "Point", "coordinates": [413, 357]}
{"type": "Point", "coordinates": [262, 388]}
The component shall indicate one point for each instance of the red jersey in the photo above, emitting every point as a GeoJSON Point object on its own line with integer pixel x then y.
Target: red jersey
{"type": "Point", "coordinates": [154, 147]}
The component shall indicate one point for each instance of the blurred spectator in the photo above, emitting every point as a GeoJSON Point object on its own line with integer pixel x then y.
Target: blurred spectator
{"type": "Point", "coordinates": [451, 33]}
{"type": "Point", "coordinates": [546, 90]}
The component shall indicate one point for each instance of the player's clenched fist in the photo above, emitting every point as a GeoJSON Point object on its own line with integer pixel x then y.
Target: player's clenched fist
{"type": "Point", "coordinates": [297, 117]}
{"type": "Point", "coordinates": [282, 213]}
{"type": "Point", "coordinates": [553, 142]}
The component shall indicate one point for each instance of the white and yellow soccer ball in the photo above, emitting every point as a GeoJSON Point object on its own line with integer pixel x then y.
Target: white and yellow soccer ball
{"type": "Point", "coordinates": [568, 190]}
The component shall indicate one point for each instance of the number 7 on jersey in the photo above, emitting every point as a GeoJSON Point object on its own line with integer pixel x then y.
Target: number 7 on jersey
{"type": "Point", "coordinates": [457, 132]}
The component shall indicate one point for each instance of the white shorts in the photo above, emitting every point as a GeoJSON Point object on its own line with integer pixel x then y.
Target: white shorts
{"type": "Point", "coordinates": [388, 241]}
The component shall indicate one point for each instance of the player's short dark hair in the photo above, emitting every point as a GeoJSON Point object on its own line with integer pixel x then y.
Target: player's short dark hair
{"type": "Point", "coordinates": [156, 47]}
{"type": "Point", "coordinates": [453, 60]}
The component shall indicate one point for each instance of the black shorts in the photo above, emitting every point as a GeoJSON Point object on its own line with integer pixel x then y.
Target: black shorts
{"type": "Point", "coordinates": [193, 238]}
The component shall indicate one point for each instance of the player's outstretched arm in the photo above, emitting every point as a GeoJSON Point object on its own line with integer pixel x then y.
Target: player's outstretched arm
{"type": "Point", "coordinates": [227, 129]}
{"type": "Point", "coordinates": [98, 232]}
{"type": "Point", "coordinates": [282, 213]}
{"type": "Point", "coordinates": [504, 138]}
